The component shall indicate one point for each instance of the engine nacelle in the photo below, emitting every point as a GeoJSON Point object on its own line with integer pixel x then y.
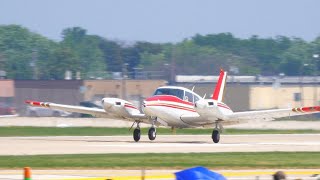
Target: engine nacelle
{"type": "Point", "coordinates": [119, 107]}
{"type": "Point", "coordinates": [204, 103]}
{"type": "Point", "coordinates": [211, 108]}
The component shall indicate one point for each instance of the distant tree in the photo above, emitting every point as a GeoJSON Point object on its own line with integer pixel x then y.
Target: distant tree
{"type": "Point", "coordinates": [21, 49]}
{"type": "Point", "coordinates": [86, 49]}
{"type": "Point", "coordinates": [63, 59]}
{"type": "Point", "coordinates": [296, 60]}
{"type": "Point", "coordinates": [112, 53]}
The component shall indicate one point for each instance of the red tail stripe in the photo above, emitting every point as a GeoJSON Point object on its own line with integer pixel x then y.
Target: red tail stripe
{"type": "Point", "coordinates": [218, 86]}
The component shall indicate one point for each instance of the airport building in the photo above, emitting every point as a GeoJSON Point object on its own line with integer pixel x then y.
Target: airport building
{"type": "Point", "coordinates": [242, 92]}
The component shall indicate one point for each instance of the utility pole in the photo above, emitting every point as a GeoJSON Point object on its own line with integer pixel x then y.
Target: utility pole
{"type": "Point", "coordinates": [33, 64]}
{"type": "Point", "coordinates": [315, 89]}
{"type": "Point", "coordinates": [2, 67]}
{"type": "Point", "coordinates": [124, 77]}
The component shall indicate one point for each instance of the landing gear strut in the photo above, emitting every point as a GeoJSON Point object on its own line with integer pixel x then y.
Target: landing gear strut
{"type": "Point", "coordinates": [152, 133]}
{"type": "Point", "coordinates": [216, 133]}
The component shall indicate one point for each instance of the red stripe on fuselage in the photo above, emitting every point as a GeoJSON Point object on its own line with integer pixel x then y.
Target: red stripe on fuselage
{"type": "Point", "coordinates": [173, 106]}
{"type": "Point", "coordinates": [168, 98]}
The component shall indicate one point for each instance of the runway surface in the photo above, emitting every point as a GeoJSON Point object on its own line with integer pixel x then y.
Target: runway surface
{"type": "Point", "coordinates": [163, 144]}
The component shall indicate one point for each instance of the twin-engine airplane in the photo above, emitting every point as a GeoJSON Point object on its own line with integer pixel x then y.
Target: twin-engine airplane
{"type": "Point", "coordinates": [179, 107]}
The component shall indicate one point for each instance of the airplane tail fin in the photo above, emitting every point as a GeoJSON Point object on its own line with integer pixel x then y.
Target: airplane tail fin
{"type": "Point", "coordinates": [220, 87]}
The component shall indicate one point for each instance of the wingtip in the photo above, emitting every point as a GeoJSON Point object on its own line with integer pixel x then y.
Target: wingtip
{"type": "Point", "coordinates": [27, 101]}
{"type": "Point", "coordinates": [307, 109]}
{"type": "Point", "coordinates": [33, 103]}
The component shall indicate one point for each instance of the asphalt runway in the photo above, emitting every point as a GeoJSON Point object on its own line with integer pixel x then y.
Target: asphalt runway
{"type": "Point", "coordinates": [163, 144]}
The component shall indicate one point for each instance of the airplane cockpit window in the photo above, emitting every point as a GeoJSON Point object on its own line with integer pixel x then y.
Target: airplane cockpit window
{"type": "Point", "coordinates": [168, 91]}
{"type": "Point", "coordinates": [188, 97]}
{"type": "Point", "coordinates": [196, 98]}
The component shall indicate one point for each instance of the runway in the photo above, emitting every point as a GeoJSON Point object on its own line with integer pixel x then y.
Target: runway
{"type": "Point", "coordinates": [163, 144]}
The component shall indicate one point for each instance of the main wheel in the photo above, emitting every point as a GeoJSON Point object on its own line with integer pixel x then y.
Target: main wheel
{"type": "Point", "coordinates": [215, 136]}
{"type": "Point", "coordinates": [152, 134]}
{"type": "Point", "coordinates": [136, 135]}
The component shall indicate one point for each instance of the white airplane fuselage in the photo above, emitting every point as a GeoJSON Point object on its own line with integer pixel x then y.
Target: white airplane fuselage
{"type": "Point", "coordinates": [171, 109]}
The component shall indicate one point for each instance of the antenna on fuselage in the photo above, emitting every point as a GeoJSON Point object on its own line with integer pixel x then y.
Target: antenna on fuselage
{"type": "Point", "coordinates": [204, 95]}
{"type": "Point", "coordinates": [193, 88]}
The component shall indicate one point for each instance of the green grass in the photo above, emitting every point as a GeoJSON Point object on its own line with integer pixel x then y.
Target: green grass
{"type": "Point", "coordinates": [171, 160]}
{"type": "Point", "coordinates": [100, 131]}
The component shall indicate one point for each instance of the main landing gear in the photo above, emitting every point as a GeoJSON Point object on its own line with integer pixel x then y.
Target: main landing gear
{"type": "Point", "coordinates": [216, 132]}
{"type": "Point", "coordinates": [137, 133]}
{"type": "Point", "coordinates": [152, 133]}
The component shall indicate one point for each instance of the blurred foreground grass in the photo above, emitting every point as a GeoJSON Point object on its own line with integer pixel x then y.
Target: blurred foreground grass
{"type": "Point", "coordinates": [168, 160]}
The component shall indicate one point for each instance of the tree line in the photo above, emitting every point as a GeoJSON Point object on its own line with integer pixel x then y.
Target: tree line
{"type": "Point", "coordinates": [28, 55]}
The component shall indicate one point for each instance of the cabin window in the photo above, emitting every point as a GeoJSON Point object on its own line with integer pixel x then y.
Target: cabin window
{"type": "Point", "coordinates": [168, 91]}
{"type": "Point", "coordinates": [188, 97]}
{"type": "Point", "coordinates": [196, 98]}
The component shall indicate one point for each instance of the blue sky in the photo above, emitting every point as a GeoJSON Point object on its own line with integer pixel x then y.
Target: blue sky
{"type": "Point", "coordinates": [166, 20]}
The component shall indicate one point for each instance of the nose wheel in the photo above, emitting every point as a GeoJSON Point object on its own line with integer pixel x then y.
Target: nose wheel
{"type": "Point", "coordinates": [152, 133]}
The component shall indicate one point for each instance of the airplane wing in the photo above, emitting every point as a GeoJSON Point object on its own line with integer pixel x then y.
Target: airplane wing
{"type": "Point", "coordinates": [273, 113]}
{"type": "Point", "coordinates": [117, 111]}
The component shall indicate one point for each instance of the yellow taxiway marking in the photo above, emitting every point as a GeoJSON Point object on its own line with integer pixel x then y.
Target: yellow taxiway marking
{"type": "Point", "coordinates": [256, 173]}
{"type": "Point", "coordinates": [227, 174]}
{"type": "Point", "coordinates": [167, 176]}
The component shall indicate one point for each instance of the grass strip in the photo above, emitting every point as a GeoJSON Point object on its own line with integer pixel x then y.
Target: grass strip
{"type": "Point", "coordinates": [107, 131]}
{"type": "Point", "coordinates": [170, 160]}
